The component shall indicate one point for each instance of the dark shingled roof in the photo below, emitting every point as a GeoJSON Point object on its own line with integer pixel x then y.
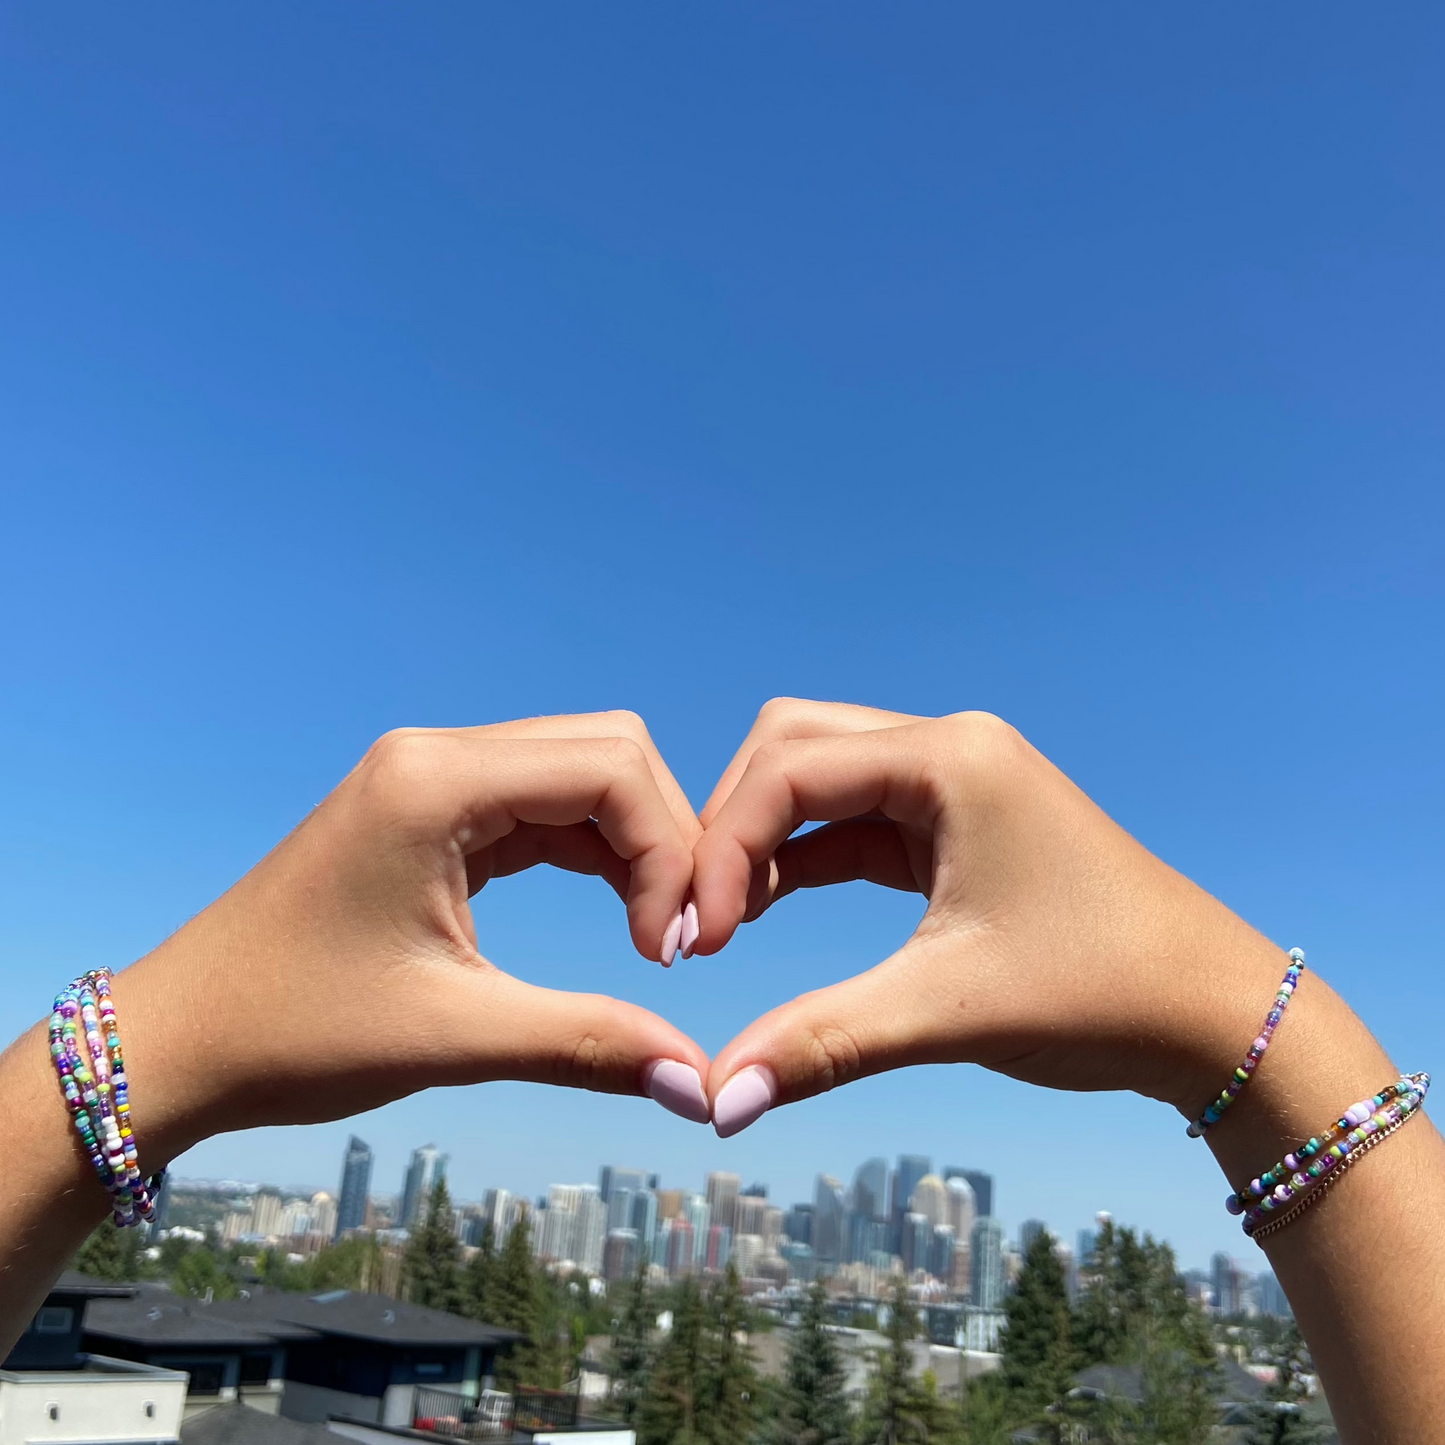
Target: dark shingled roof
{"type": "Point", "coordinates": [157, 1317]}
{"type": "Point", "coordinates": [84, 1286]}
{"type": "Point", "coordinates": [238, 1424]}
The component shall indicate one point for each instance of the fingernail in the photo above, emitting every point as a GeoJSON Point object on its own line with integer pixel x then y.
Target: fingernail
{"type": "Point", "coordinates": [690, 930]}
{"type": "Point", "coordinates": [743, 1100]}
{"type": "Point", "coordinates": [677, 1087]}
{"type": "Point", "coordinates": [669, 941]}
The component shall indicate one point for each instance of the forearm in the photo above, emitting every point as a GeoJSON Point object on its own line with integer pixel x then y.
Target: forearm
{"type": "Point", "coordinates": [1364, 1269]}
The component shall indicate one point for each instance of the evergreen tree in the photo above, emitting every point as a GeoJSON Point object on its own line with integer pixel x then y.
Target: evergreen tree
{"type": "Point", "coordinates": [429, 1268]}
{"type": "Point", "coordinates": [514, 1302]}
{"type": "Point", "coordinates": [731, 1378]}
{"type": "Point", "coordinates": [632, 1348]}
{"type": "Point", "coordinates": [1278, 1419]}
{"type": "Point", "coordinates": [1038, 1346]}
{"type": "Point", "coordinates": [899, 1410]}
{"type": "Point", "coordinates": [670, 1411]}
{"type": "Point", "coordinates": [476, 1280]}
{"type": "Point", "coordinates": [110, 1253]}
{"type": "Point", "coordinates": [813, 1409]}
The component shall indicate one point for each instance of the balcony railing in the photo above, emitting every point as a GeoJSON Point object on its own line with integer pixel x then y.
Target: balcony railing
{"type": "Point", "coordinates": [493, 1415]}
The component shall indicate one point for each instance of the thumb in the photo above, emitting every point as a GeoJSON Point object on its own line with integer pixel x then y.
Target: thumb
{"type": "Point", "coordinates": [580, 1041]}
{"type": "Point", "coordinates": [898, 1013]}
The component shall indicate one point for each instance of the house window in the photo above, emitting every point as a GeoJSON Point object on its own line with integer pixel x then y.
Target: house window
{"type": "Point", "coordinates": [255, 1369]}
{"type": "Point", "coordinates": [206, 1379]}
{"type": "Point", "coordinates": [431, 1371]}
{"type": "Point", "coordinates": [54, 1320]}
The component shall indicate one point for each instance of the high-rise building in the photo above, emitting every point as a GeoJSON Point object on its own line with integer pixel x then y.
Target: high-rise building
{"type": "Point", "coordinates": [428, 1165]}
{"type": "Point", "coordinates": [1029, 1231]}
{"type": "Point", "coordinates": [267, 1214]}
{"type": "Point", "coordinates": [962, 1208]}
{"type": "Point", "coordinates": [669, 1203]}
{"type": "Point", "coordinates": [754, 1191]}
{"type": "Point", "coordinates": [323, 1215]}
{"type": "Point", "coordinates": [1271, 1298]}
{"type": "Point", "coordinates": [619, 1256]}
{"type": "Point", "coordinates": [699, 1218]}
{"type": "Point", "coordinates": [681, 1253]}
{"type": "Point", "coordinates": [591, 1233]}
{"type": "Point", "coordinates": [662, 1243]}
{"type": "Point", "coordinates": [916, 1240]}
{"type": "Point", "coordinates": [610, 1178]}
{"type": "Point", "coordinates": [619, 1206]}
{"type": "Point", "coordinates": [870, 1189]}
{"type": "Point", "coordinates": [930, 1199]}
{"type": "Point", "coordinates": [644, 1218]}
{"type": "Point", "coordinates": [1227, 1280]}
{"type": "Point", "coordinates": [911, 1168]}
{"type": "Point", "coordinates": [722, 1198]}
{"type": "Point", "coordinates": [719, 1247]}
{"type": "Point", "coordinates": [981, 1184]}
{"type": "Point", "coordinates": [798, 1225]}
{"type": "Point", "coordinates": [1084, 1252]}
{"type": "Point", "coordinates": [828, 1223]}
{"type": "Point", "coordinates": [752, 1214]}
{"type": "Point", "coordinates": [986, 1264]}
{"type": "Point", "coordinates": [940, 1253]}
{"type": "Point", "coordinates": [355, 1186]}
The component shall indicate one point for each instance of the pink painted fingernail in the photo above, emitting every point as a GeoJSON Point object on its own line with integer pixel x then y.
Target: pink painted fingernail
{"type": "Point", "coordinates": [690, 930]}
{"type": "Point", "coordinates": [677, 1087]}
{"type": "Point", "coordinates": [743, 1100]}
{"type": "Point", "coordinates": [669, 941]}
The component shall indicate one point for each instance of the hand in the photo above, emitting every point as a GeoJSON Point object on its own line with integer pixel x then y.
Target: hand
{"type": "Point", "coordinates": [344, 970]}
{"type": "Point", "coordinates": [1053, 947]}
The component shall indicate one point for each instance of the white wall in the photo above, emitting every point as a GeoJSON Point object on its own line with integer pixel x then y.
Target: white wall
{"type": "Point", "coordinates": [110, 1401]}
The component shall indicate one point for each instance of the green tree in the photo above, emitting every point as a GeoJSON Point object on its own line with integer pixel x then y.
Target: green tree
{"type": "Point", "coordinates": [200, 1273]}
{"type": "Point", "coordinates": [812, 1409]}
{"type": "Point", "coordinates": [476, 1279]}
{"type": "Point", "coordinates": [1279, 1418]}
{"type": "Point", "coordinates": [731, 1376]}
{"type": "Point", "coordinates": [632, 1347]}
{"type": "Point", "coordinates": [111, 1253]}
{"type": "Point", "coordinates": [514, 1302]}
{"type": "Point", "coordinates": [429, 1267]}
{"type": "Point", "coordinates": [1038, 1344]}
{"type": "Point", "coordinates": [670, 1410]}
{"type": "Point", "coordinates": [897, 1408]}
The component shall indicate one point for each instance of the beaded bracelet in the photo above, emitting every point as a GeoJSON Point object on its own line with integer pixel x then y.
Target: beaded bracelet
{"type": "Point", "coordinates": [1289, 1199]}
{"type": "Point", "coordinates": [1355, 1115]}
{"type": "Point", "coordinates": [1256, 1049]}
{"type": "Point", "coordinates": [98, 1095]}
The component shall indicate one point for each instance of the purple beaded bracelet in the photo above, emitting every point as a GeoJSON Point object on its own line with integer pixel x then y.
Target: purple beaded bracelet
{"type": "Point", "coordinates": [1369, 1124]}
{"type": "Point", "coordinates": [1256, 1049]}
{"type": "Point", "coordinates": [98, 1094]}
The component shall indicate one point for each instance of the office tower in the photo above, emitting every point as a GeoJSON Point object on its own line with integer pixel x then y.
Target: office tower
{"type": "Point", "coordinates": [1088, 1238]}
{"type": "Point", "coordinates": [719, 1247]}
{"type": "Point", "coordinates": [619, 1257]}
{"type": "Point", "coordinates": [747, 1254]}
{"type": "Point", "coordinates": [911, 1168]}
{"type": "Point", "coordinates": [323, 1215]}
{"type": "Point", "coordinates": [266, 1214]}
{"type": "Point", "coordinates": [930, 1199]}
{"type": "Point", "coordinates": [591, 1233]}
{"type": "Point", "coordinates": [662, 1243]}
{"type": "Point", "coordinates": [699, 1218]}
{"type": "Point", "coordinates": [428, 1165]}
{"type": "Point", "coordinates": [681, 1253]}
{"type": "Point", "coordinates": [754, 1191]}
{"type": "Point", "coordinates": [497, 1210]}
{"type": "Point", "coordinates": [916, 1238]}
{"type": "Point", "coordinates": [1029, 1231]}
{"type": "Point", "coordinates": [355, 1186]}
{"type": "Point", "coordinates": [752, 1211]}
{"type": "Point", "coordinates": [986, 1264]}
{"type": "Point", "coordinates": [772, 1229]}
{"type": "Point", "coordinates": [669, 1203]}
{"type": "Point", "coordinates": [1227, 1280]}
{"type": "Point", "coordinates": [982, 1186]}
{"type": "Point", "coordinates": [556, 1234]}
{"type": "Point", "coordinates": [610, 1178]}
{"type": "Point", "coordinates": [799, 1259]}
{"type": "Point", "coordinates": [722, 1198]}
{"type": "Point", "coordinates": [799, 1224]}
{"type": "Point", "coordinates": [958, 1280]}
{"type": "Point", "coordinates": [644, 1218]}
{"type": "Point", "coordinates": [828, 1223]}
{"type": "Point", "coordinates": [870, 1189]}
{"type": "Point", "coordinates": [962, 1209]}
{"type": "Point", "coordinates": [1271, 1298]}
{"type": "Point", "coordinates": [940, 1253]}
{"type": "Point", "coordinates": [619, 1206]}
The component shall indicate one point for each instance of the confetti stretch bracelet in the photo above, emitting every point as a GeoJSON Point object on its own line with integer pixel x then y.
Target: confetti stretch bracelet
{"type": "Point", "coordinates": [1375, 1124]}
{"type": "Point", "coordinates": [1357, 1114]}
{"type": "Point", "coordinates": [98, 1094]}
{"type": "Point", "coordinates": [1256, 1049]}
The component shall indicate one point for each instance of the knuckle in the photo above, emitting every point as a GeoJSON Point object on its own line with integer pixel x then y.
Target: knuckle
{"type": "Point", "coordinates": [402, 758]}
{"type": "Point", "coordinates": [625, 723]}
{"type": "Point", "coordinates": [779, 712]}
{"type": "Point", "coordinates": [621, 754]}
{"type": "Point", "coordinates": [832, 1054]}
{"type": "Point", "coordinates": [986, 741]}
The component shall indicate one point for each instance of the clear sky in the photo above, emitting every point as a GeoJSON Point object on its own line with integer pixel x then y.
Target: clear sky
{"type": "Point", "coordinates": [365, 365]}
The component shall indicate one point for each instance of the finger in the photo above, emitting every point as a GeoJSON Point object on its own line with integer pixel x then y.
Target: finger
{"type": "Point", "coordinates": [894, 1015]}
{"type": "Point", "coordinates": [582, 1041]}
{"type": "Point", "coordinates": [867, 850]}
{"type": "Point", "coordinates": [786, 719]}
{"type": "Point", "coordinates": [472, 790]}
{"type": "Point", "coordinates": [618, 723]}
{"type": "Point", "coordinates": [787, 784]}
{"type": "Point", "coordinates": [579, 848]}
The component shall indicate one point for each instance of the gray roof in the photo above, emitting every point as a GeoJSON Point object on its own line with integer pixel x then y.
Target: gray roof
{"type": "Point", "coordinates": [158, 1317]}
{"type": "Point", "coordinates": [238, 1424]}
{"type": "Point", "coordinates": [85, 1286]}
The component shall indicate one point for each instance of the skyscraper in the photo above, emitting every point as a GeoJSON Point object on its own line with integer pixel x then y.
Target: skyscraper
{"type": "Point", "coordinates": [644, 1219]}
{"type": "Point", "coordinates": [981, 1184]}
{"type": "Point", "coordinates": [722, 1198]}
{"type": "Point", "coordinates": [930, 1199]}
{"type": "Point", "coordinates": [428, 1164]}
{"type": "Point", "coordinates": [916, 1239]}
{"type": "Point", "coordinates": [870, 1189]}
{"type": "Point", "coordinates": [986, 1269]}
{"type": "Point", "coordinates": [355, 1186]}
{"type": "Point", "coordinates": [798, 1225]}
{"type": "Point", "coordinates": [962, 1207]}
{"type": "Point", "coordinates": [1228, 1282]}
{"type": "Point", "coordinates": [699, 1217]}
{"type": "Point", "coordinates": [828, 1231]}
{"type": "Point", "coordinates": [911, 1168]}
{"type": "Point", "coordinates": [610, 1178]}
{"type": "Point", "coordinates": [1029, 1231]}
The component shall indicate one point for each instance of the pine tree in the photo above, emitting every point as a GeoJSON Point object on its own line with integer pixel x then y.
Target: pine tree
{"type": "Point", "coordinates": [675, 1390]}
{"type": "Point", "coordinates": [429, 1269]}
{"type": "Point", "coordinates": [727, 1416]}
{"type": "Point", "coordinates": [108, 1253]}
{"type": "Point", "coordinates": [514, 1302]}
{"type": "Point", "coordinates": [1038, 1346]}
{"type": "Point", "coordinates": [632, 1348]}
{"type": "Point", "coordinates": [476, 1279]}
{"type": "Point", "coordinates": [813, 1409]}
{"type": "Point", "coordinates": [897, 1408]}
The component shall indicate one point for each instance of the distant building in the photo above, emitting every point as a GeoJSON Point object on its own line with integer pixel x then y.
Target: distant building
{"type": "Point", "coordinates": [911, 1168]}
{"type": "Point", "coordinates": [979, 1182]}
{"type": "Point", "coordinates": [1029, 1231]}
{"type": "Point", "coordinates": [798, 1224]}
{"type": "Point", "coordinates": [916, 1238]}
{"type": "Point", "coordinates": [355, 1186]}
{"type": "Point", "coordinates": [1227, 1280]}
{"type": "Point", "coordinates": [828, 1230]}
{"type": "Point", "coordinates": [719, 1247]}
{"type": "Point", "coordinates": [644, 1218]}
{"type": "Point", "coordinates": [870, 1189]}
{"type": "Point", "coordinates": [930, 1199]}
{"type": "Point", "coordinates": [1271, 1298]}
{"type": "Point", "coordinates": [611, 1178]}
{"type": "Point", "coordinates": [722, 1198]}
{"type": "Point", "coordinates": [619, 1257]}
{"type": "Point", "coordinates": [986, 1265]}
{"type": "Point", "coordinates": [681, 1254]}
{"type": "Point", "coordinates": [699, 1218]}
{"type": "Point", "coordinates": [1088, 1239]}
{"type": "Point", "coordinates": [428, 1165]}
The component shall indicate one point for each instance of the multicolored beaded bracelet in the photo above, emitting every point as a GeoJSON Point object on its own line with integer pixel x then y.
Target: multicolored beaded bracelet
{"type": "Point", "coordinates": [98, 1094]}
{"type": "Point", "coordinates": [1287, 1200]}
{"type": "Point", "coordinates": [1277, 1222]}
{"type": "Point", "coordinates": [1256, 1049]}
{"type": "Point", "coordinates": [1355, 1115]}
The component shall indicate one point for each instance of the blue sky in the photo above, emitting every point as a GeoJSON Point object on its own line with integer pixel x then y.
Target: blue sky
{"type": "Point", "coordinates": [363, 366]}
